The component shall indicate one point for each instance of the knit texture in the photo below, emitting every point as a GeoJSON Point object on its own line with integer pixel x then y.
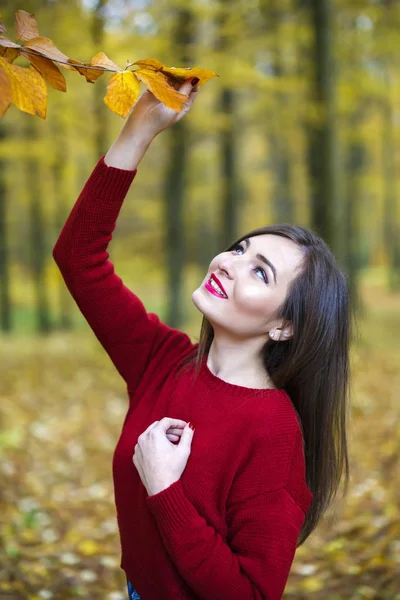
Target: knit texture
{"type": "Point", "coordinates": [228, 528]}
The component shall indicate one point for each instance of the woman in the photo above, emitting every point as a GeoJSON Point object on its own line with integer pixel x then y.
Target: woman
{"type": "Point", "coordinates": [216, 513]}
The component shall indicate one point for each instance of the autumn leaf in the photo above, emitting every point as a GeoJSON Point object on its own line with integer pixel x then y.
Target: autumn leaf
{"type": "Point", "coordinates": [88, 547]}
{"type": "Point", "coordinates": [159, 86]}
{"type": "Point", "coordinates": [26, 26]}
{"type": "Point", "coordinates": [91, 75]}
{"type": "Point", "coordinates": [101, 60]}
{"type": "Point", "coordinates": [5, 91]}
{"type": "Point", "coordinates": [49, 71]}
{"type": "Point", "coordinates": [123, 87]}
{"type": "Point", "coordinates": [5, 42]}
{"type": "Point", "coordinates": [9, 54]}
{"type": "Point", "coordinates": [85, 69]}
{"type": "Point", "coordinates": [46, 47]}
{"type": "Point", "coordinates": [123, 90]}
{"type": "Point", "coordinates": [29, 91]}
{"type": "Point", "coordinates": [149, 63]}
{"type": "Point", "coordinates": [9, 50]}
{"type": "Point", "coordinates": [179, 74]}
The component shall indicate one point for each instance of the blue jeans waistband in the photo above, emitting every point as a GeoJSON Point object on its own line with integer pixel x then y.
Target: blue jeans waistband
{"type": "Point", "coordinates": [132, 593]}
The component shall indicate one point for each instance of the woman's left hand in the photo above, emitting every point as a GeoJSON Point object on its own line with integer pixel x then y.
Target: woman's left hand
{"type": "Point", "coordinates": [159, 462]}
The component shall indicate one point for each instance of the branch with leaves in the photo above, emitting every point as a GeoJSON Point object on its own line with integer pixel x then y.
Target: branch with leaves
{"type": "Point", "coordinates": [26, 88]}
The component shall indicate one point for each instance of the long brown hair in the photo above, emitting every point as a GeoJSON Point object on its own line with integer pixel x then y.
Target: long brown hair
{"type": "Point", "coordinates": [313, 366]}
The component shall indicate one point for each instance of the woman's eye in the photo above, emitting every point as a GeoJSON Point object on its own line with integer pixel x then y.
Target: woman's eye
{"type": "Point", "coordinates": [264, 275]}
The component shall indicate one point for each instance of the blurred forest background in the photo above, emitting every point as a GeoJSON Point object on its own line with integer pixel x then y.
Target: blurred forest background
{"type": "Point", "coordinates": [302, 126]}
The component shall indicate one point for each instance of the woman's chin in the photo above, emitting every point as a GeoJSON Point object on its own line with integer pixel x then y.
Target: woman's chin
{"type": "Point", "coordinates": [199, 301]}
{"type": "Point", "coordinates": [196, 300]}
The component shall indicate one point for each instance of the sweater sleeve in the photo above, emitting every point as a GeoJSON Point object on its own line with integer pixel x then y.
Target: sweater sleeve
{"type": "Point", "coordinates": [253, 563]}
{"type": "Point", "coordinates": [118, 318]}
{"type": "Point", "coordinates": [254, 560]}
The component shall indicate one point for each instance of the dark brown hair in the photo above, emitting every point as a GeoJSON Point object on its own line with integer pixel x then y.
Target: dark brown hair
{"type": "Point", "coordinates": [313, 366]}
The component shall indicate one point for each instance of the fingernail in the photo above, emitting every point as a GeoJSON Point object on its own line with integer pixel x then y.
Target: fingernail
{"type": "Point", "coordinates": [195, 80]}
{"type": "Point", "coordinates": [192, 425]}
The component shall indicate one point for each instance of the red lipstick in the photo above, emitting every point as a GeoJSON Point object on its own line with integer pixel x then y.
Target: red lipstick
{"type": "Point", "coordinates": [219, 283]}
{"type": "Point", "coordinates": [212, 290]}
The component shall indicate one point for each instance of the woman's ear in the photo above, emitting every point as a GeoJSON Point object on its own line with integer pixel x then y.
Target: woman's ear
{"type": "Point", "coordinates": [282, 334]}
{"type": "Point", "coordinates": [287, 331]}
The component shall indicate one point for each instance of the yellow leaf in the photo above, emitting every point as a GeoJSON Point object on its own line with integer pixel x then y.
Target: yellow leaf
{"type": "Point", "coordinates": [49, 71]}
{"type": "Point", "coordinates": [123, 90]}
{"type": "Point", "coordinates": [159, 86]}
{"type": "Point", "coordinates": [88, 547]}
{"type": "Point", "coordinates": [5, 92]}
{"type": "Point", "coordinates": [185, 73]}
{"type": "Point", "coordinates": [29, 536]}
{"type": "Point", "coordinates": [149, 63]}
{"type": "Point", "coordinates": [101, 60]}
{"type": "Point", "coordinates": [25, 25]}
{"type": "Point", "coordinates": [91, 74]}
{"type": "Point", "coordinates": [10, 54]}
{"type": "Point", "coordinates": [46, 47]}
{"type": "Point", "coordinates": [177, 73]}
{"type": "Point", "coordinates": [29, 90]}
{"type": "Point", "coordinates": [312, 584]}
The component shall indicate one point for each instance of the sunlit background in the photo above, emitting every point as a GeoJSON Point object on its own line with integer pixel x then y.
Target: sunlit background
{"type": "Point", "coordinates": [302, 126]}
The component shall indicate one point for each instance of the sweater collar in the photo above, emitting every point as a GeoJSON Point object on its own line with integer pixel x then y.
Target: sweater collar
{"type": "Point", "coordinates": [217, 384]}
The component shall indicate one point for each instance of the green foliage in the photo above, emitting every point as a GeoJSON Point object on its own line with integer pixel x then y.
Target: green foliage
{"type": "Point", "coordinates": [266, 58]}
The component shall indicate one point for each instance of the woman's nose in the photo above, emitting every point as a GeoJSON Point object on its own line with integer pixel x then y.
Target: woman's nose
{"type": "Point", "coordinates": [226, 267]}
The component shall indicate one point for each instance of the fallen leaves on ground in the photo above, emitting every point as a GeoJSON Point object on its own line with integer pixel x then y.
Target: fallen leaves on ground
{"type": "Point", "coordinates": [62, 406]}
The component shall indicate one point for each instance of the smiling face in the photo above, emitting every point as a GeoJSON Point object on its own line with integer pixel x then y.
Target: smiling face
{"type": "Point", "coordinates": [255, 276]}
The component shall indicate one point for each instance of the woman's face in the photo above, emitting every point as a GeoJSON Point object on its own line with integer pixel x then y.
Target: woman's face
{"type": "Point", "coordinates": [255, 276]}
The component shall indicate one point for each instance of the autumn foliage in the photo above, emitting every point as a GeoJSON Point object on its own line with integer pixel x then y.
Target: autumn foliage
{"type": "Point", "coordinates": [26, 87]}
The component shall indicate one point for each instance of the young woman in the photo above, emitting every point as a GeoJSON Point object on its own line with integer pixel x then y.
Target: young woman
{"type": "Point", "coordinates": [216, 513]}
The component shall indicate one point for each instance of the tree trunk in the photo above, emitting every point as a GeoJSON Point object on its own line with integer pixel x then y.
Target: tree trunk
{"type": "Point", "coordinates": [38, 238]}
{"type": "Point", "coordinates": [100, 110]}
{"type": "Point", "coordinates": [5, 295]}
{"type": "Point", "coordinates": [391, 214]}
{"type": "Point", "coordinates": [326, 217]}
{"type": "Point", "coordinates": [229, 172]}
{"type": "Point", "coordinates": [356, 158]}
{"type": "Point", "coordinates": [61, 211]}
{"type": "Point", "coordinates": [278, 141]}
{"type": "Point", "coordinates": [174, 191]}
{"type": "Point", "coordinates": [230, 192]}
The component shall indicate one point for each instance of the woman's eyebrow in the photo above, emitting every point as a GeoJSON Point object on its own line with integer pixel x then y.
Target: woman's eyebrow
{"type": "Point", "coordinates": [263, 259]}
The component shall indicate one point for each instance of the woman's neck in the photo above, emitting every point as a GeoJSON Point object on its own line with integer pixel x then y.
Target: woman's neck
{"type": "Point", "coordinates": [239, 364]}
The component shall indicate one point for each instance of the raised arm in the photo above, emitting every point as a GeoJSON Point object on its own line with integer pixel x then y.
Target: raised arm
{"type": "Point", "coordinates": [129, 334]}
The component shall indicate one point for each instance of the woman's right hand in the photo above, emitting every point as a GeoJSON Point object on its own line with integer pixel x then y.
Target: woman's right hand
{"type": "Point", "coordinates": [151, 116]}
{"type": "Point", "coordinates": [174, 434]}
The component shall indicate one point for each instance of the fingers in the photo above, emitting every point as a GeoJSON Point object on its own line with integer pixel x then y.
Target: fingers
{"type": "Point", "coordinates": [176, 430]}
{"type": "Point", "coordinates": [187, 87]}
{"type": "Point", "coordinates": [167, 423]}
{"type": "Point", "coordinates": [172, 427]}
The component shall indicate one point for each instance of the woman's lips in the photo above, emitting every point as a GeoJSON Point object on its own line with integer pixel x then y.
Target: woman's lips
{"type": "Point", "coordinates": [212, 291]}
{"type": "Point", "coordinates": [217, 281]}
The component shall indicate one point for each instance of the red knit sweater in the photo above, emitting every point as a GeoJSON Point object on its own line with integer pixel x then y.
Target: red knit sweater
{"type": "Point", "coordinates": [228, 528]}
